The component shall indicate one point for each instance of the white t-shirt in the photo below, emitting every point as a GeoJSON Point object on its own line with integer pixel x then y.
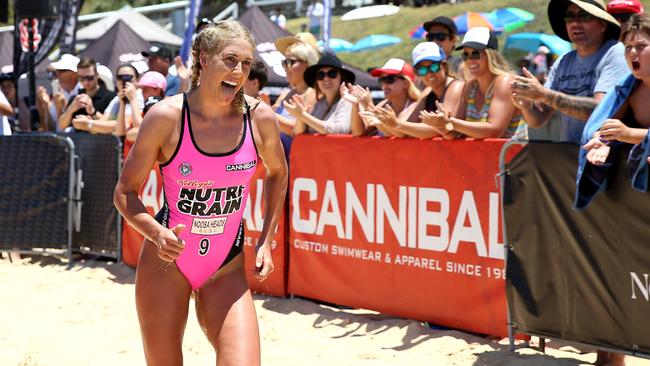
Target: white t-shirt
{"type": "Point", "coordinates": [114, 107]}
{"type": "Point", "coordinates": [5, 129]}
{"type": "Point", "coordinates": [315, 13]}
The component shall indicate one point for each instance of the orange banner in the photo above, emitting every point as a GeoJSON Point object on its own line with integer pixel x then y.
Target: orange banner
{"type": "Point", "coordinates": [276, 283]}
{"type": "Point", "coordinates": [402, 226]}
{"type": "Point", "coordinates": [152, 197]}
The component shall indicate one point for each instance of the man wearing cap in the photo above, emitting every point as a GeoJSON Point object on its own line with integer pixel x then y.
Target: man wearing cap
{"type": "Point", "coordinates": [64, 86]}
{"type": "Point", "coordinates": [442, 30]}
{"type": "Point", "coordinates": [160, 59]}
{"type": "Point", "coordinates": [91, 100]}
{"type": "Point", "coordinates": [580, 78]}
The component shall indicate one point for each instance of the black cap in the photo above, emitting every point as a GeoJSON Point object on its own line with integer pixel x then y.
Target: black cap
{"type": "Point", "coordinates": [6, 76]}
{"type": "Point", "coordinates": [204, 21]}
{"type": "Point", "coordinates": [443, 21]}
{"type": "Point", "coordinates": [158, 51]}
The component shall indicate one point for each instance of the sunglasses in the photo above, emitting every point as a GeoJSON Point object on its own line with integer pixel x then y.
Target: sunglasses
{"type": "Point", "coordinates": [332, 73]}
{"type": "Point", "coordinates": [474, 55]}
{"type": "Point", "coordinates": [623, 17]}
{"type": "Point", "coordinates": [288, 62]}
{"type": "Point", "coordinates": [433, 68]}
{"type": "Point", "coordinates": [86, 78]}
{"type": "Point", "coordinates": [433, 37]}
{"type": "Point", "coordinates": [581, 16]}
{"type": "Point", "coordinates": [389, 79]}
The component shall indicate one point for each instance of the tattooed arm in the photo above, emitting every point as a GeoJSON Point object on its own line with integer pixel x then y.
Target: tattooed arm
{"type": "Point", "coordinates": [574, 106]}
{"type": "Point", "coordinates": [538, 103]}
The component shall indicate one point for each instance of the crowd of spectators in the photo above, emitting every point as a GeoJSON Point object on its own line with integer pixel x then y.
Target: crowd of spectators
{"type": "Point", "coordinates": [450, 88]}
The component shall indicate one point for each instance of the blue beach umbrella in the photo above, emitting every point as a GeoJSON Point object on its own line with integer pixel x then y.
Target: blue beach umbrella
{"type": "Point", "coordinates": [510, 18]}
{"type": "Point", "coordinates": [338, 45]}
{"type": "Point", "coordinates": [531, 41]}
{"type": "Point", "coordinates": [375, 41]}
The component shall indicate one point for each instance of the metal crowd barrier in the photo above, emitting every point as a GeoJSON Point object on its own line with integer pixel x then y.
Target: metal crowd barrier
{"type": "Point", "coordinates": [56, 194]}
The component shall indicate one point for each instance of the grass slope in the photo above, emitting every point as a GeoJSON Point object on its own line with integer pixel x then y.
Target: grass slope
{"type": "Point", "coordinates": [408, 18]}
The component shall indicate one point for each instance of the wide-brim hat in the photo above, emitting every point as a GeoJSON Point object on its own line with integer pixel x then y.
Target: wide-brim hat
{"type": "Point", "coordinates": [557, 9]}
{"type": "Point", "coordinates": [327, 60]}
{"type": "Point", "coordinates": [282, 44]}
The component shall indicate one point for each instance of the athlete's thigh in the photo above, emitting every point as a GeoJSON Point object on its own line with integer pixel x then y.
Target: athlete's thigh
{"type": "Point", "coordinates": [162, 299]}
{"type": "Point", "coordinates": [226, 312]}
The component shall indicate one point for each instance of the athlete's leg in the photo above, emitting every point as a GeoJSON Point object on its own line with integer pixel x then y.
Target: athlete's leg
{"type": "Point", "coordinates": [226, 312]}
{"type": "Point", "coordinates": [162, 299]}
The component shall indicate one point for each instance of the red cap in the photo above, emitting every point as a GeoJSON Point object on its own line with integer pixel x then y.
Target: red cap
{"type": "Point", "coordinates": [395, 66]}
{"type": "Point", "coordinates": [624, 6]}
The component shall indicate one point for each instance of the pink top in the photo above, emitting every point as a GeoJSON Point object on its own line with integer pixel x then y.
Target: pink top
{"type": "Point", "coordinates": [207, 193]}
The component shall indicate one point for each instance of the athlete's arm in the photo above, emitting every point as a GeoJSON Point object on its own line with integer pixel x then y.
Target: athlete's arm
{"type": "Point", "coordinates": [269, 148]}
{"type": "Point", "coordinates": [156, 128]}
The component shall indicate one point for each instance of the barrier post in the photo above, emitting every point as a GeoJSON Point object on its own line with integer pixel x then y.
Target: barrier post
{"type": "Point", "coordinates": [502, 180]}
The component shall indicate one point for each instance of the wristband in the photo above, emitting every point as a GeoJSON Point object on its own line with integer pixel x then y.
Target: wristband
{"type": "Point", "coordinates": [90, 125]}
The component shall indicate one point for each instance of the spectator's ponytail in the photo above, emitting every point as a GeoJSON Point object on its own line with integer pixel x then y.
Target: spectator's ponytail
{"type": "Point", "coordinates": [212, 40]}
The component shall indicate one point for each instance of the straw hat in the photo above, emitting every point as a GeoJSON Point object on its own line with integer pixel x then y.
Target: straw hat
{"type": "Point", "coordinates": [281, 44]}
{"type": "Point", "coordinates": [557, 9]}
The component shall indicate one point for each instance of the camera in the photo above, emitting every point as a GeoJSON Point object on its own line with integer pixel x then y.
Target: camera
{"type": "Point", "coordinates": [125, 78]}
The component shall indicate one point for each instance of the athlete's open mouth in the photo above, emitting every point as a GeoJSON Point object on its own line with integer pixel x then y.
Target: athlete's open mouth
{"type": "Point", "coordinates": [636, 65]}
{"type": "Point", "coordinates": [228, 86]}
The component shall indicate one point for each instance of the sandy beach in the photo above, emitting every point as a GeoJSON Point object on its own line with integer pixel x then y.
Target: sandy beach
{"type": "Point", "coordinates": [86, 316]}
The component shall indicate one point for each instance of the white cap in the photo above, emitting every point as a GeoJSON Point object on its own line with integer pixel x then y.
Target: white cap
{"type": "Point", "coordinates": [66, 62]}
{"type": "Point", "coordinates": [543, 50]}
{"type": "Point", "coordinates": [427, 51]}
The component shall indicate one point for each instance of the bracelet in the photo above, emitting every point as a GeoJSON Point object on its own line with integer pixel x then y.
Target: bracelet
{"type": "Point", "coordinates": [90, 125]}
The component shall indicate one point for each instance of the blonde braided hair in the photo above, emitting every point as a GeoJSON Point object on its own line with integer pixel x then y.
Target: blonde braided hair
{"type": "Point", "coordinates": [212, 40]}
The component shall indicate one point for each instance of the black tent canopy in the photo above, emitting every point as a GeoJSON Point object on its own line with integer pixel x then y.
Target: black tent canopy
{"type": "Point", "coordinates": [118, 40]}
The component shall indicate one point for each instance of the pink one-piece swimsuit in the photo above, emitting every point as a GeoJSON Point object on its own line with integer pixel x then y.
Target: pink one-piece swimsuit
{"type": "Point", "coordinates": [207, 193]}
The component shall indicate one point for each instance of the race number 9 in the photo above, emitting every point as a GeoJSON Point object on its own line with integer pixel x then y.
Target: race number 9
{"type": "Point", "coordinates": [204, 246]}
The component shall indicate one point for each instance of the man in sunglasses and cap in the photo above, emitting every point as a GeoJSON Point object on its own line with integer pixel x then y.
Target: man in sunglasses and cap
{"type": "Point", "coordinates": [443, 31]}
{"type": "Point", "coordinates": [91, 99]}
{"type": "Point", "coordinates": [580, 78]}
